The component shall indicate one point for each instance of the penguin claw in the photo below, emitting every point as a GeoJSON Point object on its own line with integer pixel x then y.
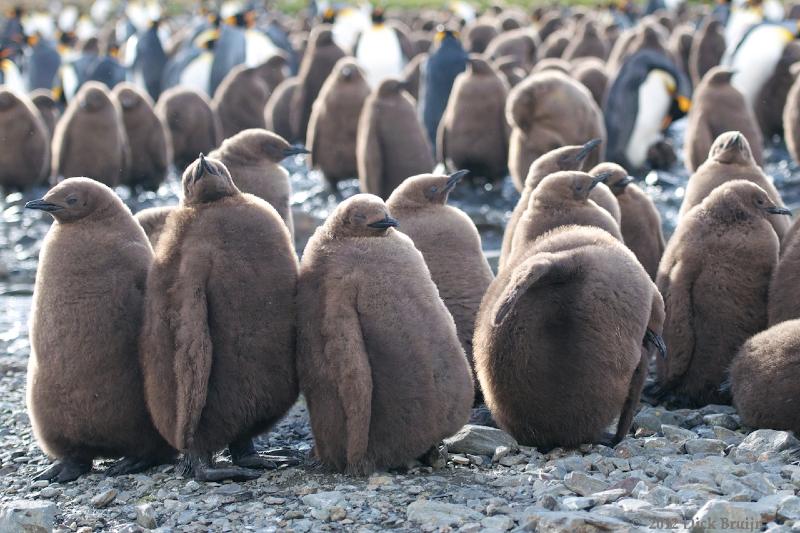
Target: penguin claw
{"type": "Point", "coordinates": [266, 461]}
{"type": "Point", "coordinates": [130, 465]}
{"type": "Point", "coordinates": [64, 471]}
{"type": "Point", "coordinates": [233, 473]}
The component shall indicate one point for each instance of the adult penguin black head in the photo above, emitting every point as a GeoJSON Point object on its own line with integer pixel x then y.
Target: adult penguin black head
{"type": "Point", "coordinates": [378, 16]}
{"type": "Point", "coordinates": [444, 34]}
{"type": "Point", "coordinates": [329, 16]}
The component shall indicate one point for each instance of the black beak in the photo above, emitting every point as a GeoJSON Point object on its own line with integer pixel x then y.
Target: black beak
{"type": "Point", "coordinates": [655, 339]}
{"type": "Point", "coordinates": [775, 210]}
{"type": "Point", "coordinates": [295, 150]}
{"type": "Point", "coordinates": [387, 222]}
{"type": "Point", "coordinates": [41, 205]}
{"type": "Point", "coordinates": [454, 178]}
{"type": "Point", "coordinates": [624, 182]}
{"type": "Point", "coordinates": [587, 149]}
{"type": "Point", "coordinates": [205, 166]}
{"type": "Point", "coordinates": [600, 178]}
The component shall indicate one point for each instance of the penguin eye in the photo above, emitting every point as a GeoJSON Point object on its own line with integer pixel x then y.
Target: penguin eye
{"type": "Point", "coordinates": [760, 201]}
{"type": "Point", "coordinates": [579, 187]}
{"type": "Point", "coordinates": [434, 189]}
{"type": "Point", "coordinates": [72, 200]}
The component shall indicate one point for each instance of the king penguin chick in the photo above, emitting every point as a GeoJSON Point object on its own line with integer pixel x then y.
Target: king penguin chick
{"type": "Point", "coordinates": [764, 378]}
{"type": "Point", "coordinates": [277, 110]}
{"type": "Point", "coordinates": [450, 244]}
{"type": "Point", "coordinates": [25, 157]}
{"type": "Point", "coordinates": [391, 143]}
{"type": "Point", "coordinates": [784, 291]}
{"type": "Point", "coordinates": [730, 158]}
{"type": "Point", "coordinates": [560, 159]}
{"type": "Point", "coordinates": [218, 340]}
{"type": "Point", "coordinates": [540, 340]}
{"type": "Point", "coordinates": [380, 362]}
{"type": "Point", "coordinates": [714, 277]}
{"type": "Point", "coordinates": [640, 222]}
{"type": "Point", "coordinates": [707, 50]}
{"type": "Point", "coordinates": [85, 389]}
{"type": "Point", "coordinates": [152, 220]}
{"type": "Point", "coordinates": [253, 158]}
{"type": "Point", "coordinates": [193, 125]}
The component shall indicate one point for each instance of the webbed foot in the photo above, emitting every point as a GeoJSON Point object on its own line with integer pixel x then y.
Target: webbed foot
{"type": "Point", "coordinates": [65, 470]}
{"type": "Point", "coordinates": [244, 454]}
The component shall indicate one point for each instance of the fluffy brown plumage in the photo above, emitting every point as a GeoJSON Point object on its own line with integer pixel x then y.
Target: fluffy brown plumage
{"type": "Point", "coordinates": [714, 277]}
{"type": "Point", "coordinates": [90, 138]}
{"type": "Point", "coordinates": [784, 291]}
{"type": "Point", "coordinates": [380, 363]}
{"type": "Point", "coordinates": [218, 340]}
{"type": "Point", "coordinates": [25, 156]}
{"type": "Point", "coordinates": [520, 44]}
{"type": "Point", "coordinates": [591, 72]}
{"type": "Point", "coordinates": [276, 112]}
{"type": "Point", "coordinates": [791, 117]}
{"type": "Point", "coordinates": [707, 50]}
{"type": "Point", "coordinates": [48, 109]}
{"type": "Point", "coordinates": [152, 221]}
{"type": "Point", "coordinates": [478, 34]}
{"type": "Point", "coordinates": [194, 127]}
{"type": "Point", "coordinates": [541, 341]}
{"type": "Point", "coordinates": [771, 99]}
{"type": "Point", "coordinates": [587, 43]}
{"type": "Point", "coordinates": [85, 391]}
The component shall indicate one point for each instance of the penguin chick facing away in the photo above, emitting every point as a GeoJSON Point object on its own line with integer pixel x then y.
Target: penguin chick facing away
{"type": "Point", "coordinates": [90, 138]}
{"type": "Point", "coordinates": [379, 358]}
{"type": "Point", "coordinates": [449, 243]}
{"type": "Point", "coordinates": [640, 222]}
{"type": "Point", "coordinates": [152, 221]}
{"type": "Point", "coordinates": [714, 277]}
{"type": "Point", "coordinates": [560, 159]}
{"type": "Point", "coordinates": [25, 157]}
{"type": "Point", "coordinates": [784, 291]}
{"type": "Point", "coordinates": [561, 199]}
{"type": "Point", "coordinates": [764, 378]}
{"type": "Point", "coordinates": [85, 389]}
{"type": "Point", "coordinates": [253, 159]}
{"type": "Point", "coordinates": [193, 125]}
{"type": "Point", "coordinates": [730, 158]}
{"type": "Point", "coordinates": [218, 340]}
{"type": "Point", "coordinates": [541, 340]}
{"type": "Point", "coordinates": [43, 100]}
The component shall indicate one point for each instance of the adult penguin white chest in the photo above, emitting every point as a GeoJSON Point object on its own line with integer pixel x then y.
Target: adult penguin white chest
{"type": "Point", "coordinates": [348, 25]}
{"type": "Point", "coordinates": [197, 74]}
{"type": "Point", "coordinates": [11, 76]}
{"type": "Point", "coordinates": [655, 99]}
{"type": "Point", "coordinates": [756, 57]}
{"type": "Point", "coordinates": [379, 54]}
{"type": "Point", "coordinates": [258, 48]}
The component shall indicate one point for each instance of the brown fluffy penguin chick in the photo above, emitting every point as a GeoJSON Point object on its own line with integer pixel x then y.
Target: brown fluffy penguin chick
{"type": "Point", "coordinates": [218, 340]}
{"type": "Point", "coordinates": [560, 159]}
{"type": "Point", "coordinates": [587, 43]}
{"type": "Point", "coordinates": [90, 138]}
{"type": "Point", "coordinates": [519, 44]}
{"type": "Point", "coordinates": [791, 117]}
{"type": "Point", "coordinates": [450, 244]}
{"type": "Point", "coordinates": [582, 361]}
{"type": "Point", "coordinates": [240, 99]}
{"type": "Point", "coordinates": [479, 34]}
{"type": "Point", "coordinates": [147, 137]}
{"type": "Point", "coordinates": [379, 359]}
{"type": "Point", "coordinates": [473, 133]}
{"type": "Point", "coordinates": [85, 389]}
{"type": "Point", "coordinates": [561, 199]}
{"type": "Point", "coordinates": [730, 159]}
{"type": "Point", "coordinates": [640, 222]}
{"type": "Point", "coordinates": [276, 112]}
{"type": "Point", "coordinates": [152, 221]}
{"type": "Point", "coordinates": [193, 125]}
{"type": "Point", "coordinates": [547, 111]}
{"type": "Point", "coordinates": [714, 277]}
{"type": "Point", "coordinates": [765, 382]}
{"type": "Point", "coordinates": [48, 109]}
{"type": "Point", "coordinates": [707, 50]}
{"type": "Point", "coordinates": [391, 143]}
{"type": "Point", "coordinates": [318, 62]}
{"type": "Point", "coordinates": [25, 156]}
{"type": "Point", "coordinates": [784, 291]}
{"type": "Point", "coordinates": [717, 107]}
{"type": "Point", "coordinates": [333, 127]}
{"type": "Point", "coordinates": [591, 72]}
{"type": "Point", "coordinates": [253, 158]}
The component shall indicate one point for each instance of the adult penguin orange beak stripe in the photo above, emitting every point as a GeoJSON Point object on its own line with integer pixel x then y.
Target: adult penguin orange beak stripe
{"type": "Point", "coordinates": [684, 104]}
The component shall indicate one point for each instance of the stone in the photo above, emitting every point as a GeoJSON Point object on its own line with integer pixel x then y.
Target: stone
{"type": "Point", "coordinates": [722, 420]}
{"type": "Point", "coordinates": [712, 446]}
{"type": "Point", "coordinates": [583, 484]}
{"type": "Point", "coordinates": [577, 522]}
{"type": "Point", "coordinates": [323, 500]}
{"type": "Point", "coordinates": [28, 516]}
{"type": "Point", "coordinates": [677, 434]}
{"type": "Point", "coordinates": [104, 499]}
{"type": "Point", "coordinates": [498, 523]}
{"type": "Point", "coordinates": [146, 516]}
{"type": "Point", "coordinates": [632, 504]}
{"type": "Point", "coordinates": [577, 503]}
{"type": "Point", "coordinates": [337, 513]}
{"type": "Point", "coordinates": [480, 440]}
{"type": "Point", "coordinates": [440, 514]}
{"type": "Point", "coordinates": [610, 495]}
{"type": "Point", "coordinates": [718, 516]}
{"type": "Point", "coordinates": [789, 509]}
{"type": "Point", "coordinates": [500, 452]}
{"type": "Point", "coordinates": [763, 445]}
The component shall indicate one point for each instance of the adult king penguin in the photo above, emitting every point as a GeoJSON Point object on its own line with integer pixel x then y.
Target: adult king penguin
{"type": "Point", "coordinates": [146, 59]}
{"type": "Point", "coordinates": [379, 51]}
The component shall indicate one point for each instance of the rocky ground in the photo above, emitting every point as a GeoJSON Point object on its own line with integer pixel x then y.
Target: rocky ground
{"type": "Point", "coordinates": [680, 470]}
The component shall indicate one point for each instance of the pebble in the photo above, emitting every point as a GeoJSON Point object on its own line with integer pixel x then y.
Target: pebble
{"type": "Point", "coordinates": [441, 514]}
{"type": "Point", "coordinates": [711, 446]}
{"type": "Point", "coordinates": [718, 516]}
{"type": "Point", "coordinates": [27, 515]}
{"type": "Point", "coordinates": [104, 498]}
{"type": "Point", "coordinates": [480, 440]}
{"type": "Point", "coordinates": [583, 484]}
{"type": "Point", "coordinates": [763, 445]}
{"type": "Point", "coordinates": [146, 516]}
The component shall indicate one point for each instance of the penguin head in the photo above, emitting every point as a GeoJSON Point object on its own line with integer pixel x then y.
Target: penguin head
{"type": "Point", "coordinates": [426, 189]}
{"type": "Point", "coordinates": [741, 199]}
{"type": "Point", "coordinates": [391, 87]}
{"type": "Point", "coordinates": [8, 100]}
{"type": "Point", "coordinates": [443, 34]}
{"type": "Point", "coordinates": [207, 39]}
{"type": "Point", "coordinates": [567, 188]}
{"type": "Point", "coordinates": [348, 70]}
{"type": "Point", "coordinates": [93, 97]}
{"type": "Point", "coordinates": [478, 65]}
{"type": "Point", "coordinates": [128, 96]}
{"type": "Point", "coordinates": [206, 180]}
{"type": "Point", "coordinates": [361, 215]}
{"type": "Point", "coordinates": [257, 144]}
{"type": "Point", "coordinates": [618, 178]}
{"type": "Point", "coordinates": [378, 16]}
{"type": "Point", "coordinates": [561, 159]}
{"type": "Point", "coordinates": [731, 148]}
{"type": "Point", "coordinates": [719, 76]}
{"type": "Point", "coordinates": [76, 199]}
{"type": "Point", "coordinates": [329, 16]}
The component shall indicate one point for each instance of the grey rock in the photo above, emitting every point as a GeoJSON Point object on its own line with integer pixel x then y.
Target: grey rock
{"type": "Point", "coordinates": [323, 500]}
{"type": "Point", "coordinates": [104, 499]}
{"type": "Point", "coordinates": [610, 495]}
{"type": "Point", "coordinates": [583, 484]}
{"type": "Point", "coordinates": [480, 440]}
{"type": "Point", "coordinates": [579, 522]}
{"type": "Point", "coordinates": [763, 445]}
{"type": "Point", "coordinates": [441, 514]}
{"type": "Point", "coordinates": [27, 516]}
{"type": "Point", "coordinates": [718, 516]}
{"type": "Point", "coordinates": [146, 516]}
{"type": "Point", "coordinates": [712, 446]}
{"type": "Point", "coordinates": [722, 420]}
{"type": "Point", "coordinates": [497, 523]}
{"type": "Point", "coordinates": [577, 503]}
{"type": "Point", "coordinates": [789, 508]}
{"type": "Point", "coordinates": [677, 434]}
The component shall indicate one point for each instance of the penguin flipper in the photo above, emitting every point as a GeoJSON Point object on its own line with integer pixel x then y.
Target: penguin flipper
{"type": "Point", "coordinates": [370, 166]}
{"type": "Point", "coordinates": [702, 138]}
{"type": "Point", "coordinates": [441, 143]}
{"type": "Point", "coordinates": [539, 269]}
{"type": "Point", "coordinates": [679, 321]}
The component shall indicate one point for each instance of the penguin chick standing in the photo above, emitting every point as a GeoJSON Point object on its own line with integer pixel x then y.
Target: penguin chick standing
{"type": "Point", "coordinates": [85, 389]}
{"type": "Point", "coordinates": [147, 137]}
{"type": "Point", "coordinates": [48, 109]}
{"type": "Point", "coordinates": [90, 138]}
{"type": "Point", "coordinates": [714, 278]}
{"type": "Point", "coordinates": [708, 47]}
{"type": "Point", "coordinates": [194, 127]}
{"type": "Point", "coordinates": [718, 107]}
{"type": "Point", "coordinates": [791, 117]}
{"type": "Point", "coordinates": [380, 363]}
{"type": "Point", "coordinates": [730, 159]}
{"type": "Point", "coordinates": [473, 133]}
{"type": "Point", "coordinates": [450, 244]}
{"type": "Point", "coordinates": [253, 158]}
{"type": "Point", "coordinates": [276, 112]}
{"type": "Point", "coordinates": [640, 222]}
{"type": "Point", "coordinates": [218, 340]}
{"type": "Point", "coordinates": [391, 143]}
{"type": "Point", "coordinates": [333, 127]}
{"type": "Point", "coordinates": [569, 330]}
{"type": "Point", "coordinates": [784, 291]}
{"type": "Point", "coordinates": [25, 157]}
{"type": "Point", "coordinates": [152, 221]}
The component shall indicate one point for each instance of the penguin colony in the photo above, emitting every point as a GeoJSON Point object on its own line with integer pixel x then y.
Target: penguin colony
{"type": "Point", "coordinates": [200, 326]}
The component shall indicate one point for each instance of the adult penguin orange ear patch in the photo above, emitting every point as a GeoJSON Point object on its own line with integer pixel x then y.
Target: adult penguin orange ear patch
{"type": "Point", "coordinates": [684, 104]}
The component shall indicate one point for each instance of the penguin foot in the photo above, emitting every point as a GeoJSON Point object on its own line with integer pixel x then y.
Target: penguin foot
{"type": "Point", "coordinates": [243, 453]}
{"type": "Point", "coordinates": [482, 416]}
{"type": "Point", "coordinates": [65, 470]}
{"type": "Point", "coordinates": [436, 457]}
{"type": "Point", "coordinates": [661, 156]}
{"type": "Point", "coordinates": [609, 439]}
{"type": "Point", "coordinates": [131, 465]}
{"type": "Point", "coordinates": [202, 469]}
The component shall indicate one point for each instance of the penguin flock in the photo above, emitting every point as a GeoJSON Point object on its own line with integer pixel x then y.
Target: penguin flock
{"type": "Point", "coordinates": [182, 332]}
